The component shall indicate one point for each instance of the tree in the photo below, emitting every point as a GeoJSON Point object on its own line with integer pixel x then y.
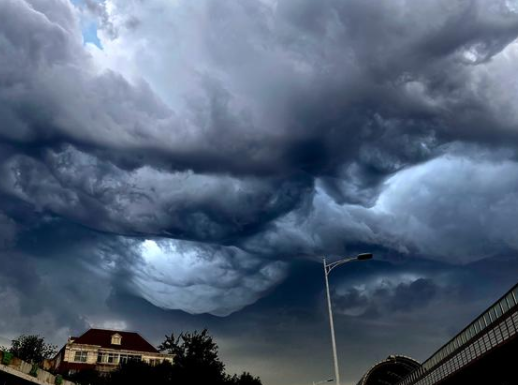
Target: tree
{"type": "Point", "coordinates": [171, 345]}
{"type": "Point", "coordinates": [32, 348]}
{"type": "Point", "coordinates": [196, 361]}
{"type": "Point", "coordinates": [244, 379]}
{"type": "Point", "coordinates": [196, 358]}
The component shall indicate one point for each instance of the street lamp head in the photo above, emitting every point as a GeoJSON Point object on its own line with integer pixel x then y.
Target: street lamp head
{"type": "Point", "coordinates": [364, 256]}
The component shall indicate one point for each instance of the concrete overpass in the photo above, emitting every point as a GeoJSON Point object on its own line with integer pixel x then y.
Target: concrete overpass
{"type": "Point", "coordinates": [10, 376]}
{"type": "Point", "coordinates": [484, 353]}
{"type": "Point", "coordinates": [17, 372]}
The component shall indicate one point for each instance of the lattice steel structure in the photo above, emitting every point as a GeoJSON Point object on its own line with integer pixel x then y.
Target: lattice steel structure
{"type": "Point", "coordinates": [494, 328]}
{"type": "Point", "coordinates": [389, 371]}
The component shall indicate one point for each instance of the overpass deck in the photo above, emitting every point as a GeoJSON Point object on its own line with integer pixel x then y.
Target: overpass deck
{"type": "Point", "coordinates": [495, 331]}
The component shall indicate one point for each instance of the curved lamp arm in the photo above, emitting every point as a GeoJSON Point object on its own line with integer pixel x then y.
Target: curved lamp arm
{"type": "Point", "coordinates": [359, 257]}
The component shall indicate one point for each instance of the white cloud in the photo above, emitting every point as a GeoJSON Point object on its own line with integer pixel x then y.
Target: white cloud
{"type": "Point", "coordinates": [201, 279]}
{"type": "Point", "coordinates": [453, 208]}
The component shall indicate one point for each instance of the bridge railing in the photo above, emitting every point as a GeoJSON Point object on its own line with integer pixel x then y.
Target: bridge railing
{"type": "Point", "coordinates": [492, 328]}
{"type": "Point", "coordinates": [27, 373]}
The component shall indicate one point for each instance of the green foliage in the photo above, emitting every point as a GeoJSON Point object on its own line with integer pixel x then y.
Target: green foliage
{"type": "Point", "coordinates": [34, 370]}
{"type": "Point", "coordinates": [58, 380]}
{"type": "Point", "coordinates": [32, 348]}
{"type": "Point", "coordinates": [6, 359]}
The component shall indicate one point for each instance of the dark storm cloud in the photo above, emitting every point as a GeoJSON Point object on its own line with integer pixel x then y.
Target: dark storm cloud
{"type": "Point", "coordinates": [387, 297]}
{"type": "Point", "coordinates": [146, 201]}
{"type": "Point", "coordinates": [29, 299]}
{"type": "Point", "coordinates": [7, 231]}
{"type": "Point", "coordinates": [213, 144]}
{"type": "Point", "coordinates": [285, 336]}
{"type": "Point", "coordinates": [266, 122]}
{"type": "Point", "coordinates": [337, 114]}
{"type": "Point", "coordinates": [43, 285]}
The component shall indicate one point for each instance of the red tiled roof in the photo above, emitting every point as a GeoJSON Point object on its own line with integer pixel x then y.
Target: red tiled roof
{"type": "Point", "coordinates": [103, 338]}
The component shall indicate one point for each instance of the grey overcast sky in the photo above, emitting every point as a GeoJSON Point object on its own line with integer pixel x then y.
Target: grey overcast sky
{"type": "Point", "coordinates": [169, 165]}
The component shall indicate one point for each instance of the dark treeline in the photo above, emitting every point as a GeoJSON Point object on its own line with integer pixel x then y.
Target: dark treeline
{"type": "Point", "coordinates": [139, 373]}
{"type": "Point", "coordinates": [196, 362]}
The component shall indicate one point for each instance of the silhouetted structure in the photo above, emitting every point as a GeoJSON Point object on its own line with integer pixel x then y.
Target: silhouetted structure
{"type": "Point", "coordinates": [483, 353]}
{"type": "Point", "coordinates": [389, 371]}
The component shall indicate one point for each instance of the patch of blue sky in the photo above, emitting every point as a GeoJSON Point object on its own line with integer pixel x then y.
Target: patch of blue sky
{"type": "Point", "coordinates": [90, 34]}
{"type": "Point", "coordinates": [89, 29]}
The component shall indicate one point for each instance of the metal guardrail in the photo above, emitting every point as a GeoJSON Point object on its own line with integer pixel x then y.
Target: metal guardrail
{"type": "Point", "coordinates": [26, 373]}
{"type": "Point", "coordinates": [496, 325]}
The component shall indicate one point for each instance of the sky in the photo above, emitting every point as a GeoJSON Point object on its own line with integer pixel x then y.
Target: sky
{"type": "Point", "coordinates": [170, 165]}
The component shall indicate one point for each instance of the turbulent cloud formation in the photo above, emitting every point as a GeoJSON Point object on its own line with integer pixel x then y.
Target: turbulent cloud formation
{"type": "Point", "coordinates": [231, 122]}
{"type": "Point", "coordinates": [474, 205]}
{"type": "Point", "coordinates": [221, 280]}
{"type": "Point", "coordinates": [199, 150]}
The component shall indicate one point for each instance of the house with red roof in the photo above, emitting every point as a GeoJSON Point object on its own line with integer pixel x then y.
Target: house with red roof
{"type": "Point", "coordinates": [104, 350]}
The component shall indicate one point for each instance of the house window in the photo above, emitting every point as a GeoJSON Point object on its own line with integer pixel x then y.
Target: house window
{"type": "Point", "coordinates": [108, 358]}
{"type": "Point", "coordinates": [116, 339]}
{"type": "Point", "coordinates": [155, 362]}
{"type": "Point", "coordinates": [81, 356]}
{"type": "Point", "coordinates": [125, 358]}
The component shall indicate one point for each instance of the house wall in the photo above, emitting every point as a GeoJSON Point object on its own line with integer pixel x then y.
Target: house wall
{"type": "Point", "coordinates": [71, 349]}
{"type": "Point", "coordinates": [93, 351]}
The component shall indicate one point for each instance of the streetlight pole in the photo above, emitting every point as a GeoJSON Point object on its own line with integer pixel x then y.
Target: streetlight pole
{"type": "Point", "coordinates": [331, 324]}
{"type": "Point", "coordinates": [327, 270]}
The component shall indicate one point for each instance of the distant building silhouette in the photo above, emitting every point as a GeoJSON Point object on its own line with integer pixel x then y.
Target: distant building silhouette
{"type": "Point", "coordinates": [389, 371]}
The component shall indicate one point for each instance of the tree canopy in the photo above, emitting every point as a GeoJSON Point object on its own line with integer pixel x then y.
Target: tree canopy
{"type": "Point", "coordinates": [196, 361]}
{"type": "Point", "coordinates": [32, 348]}
{"type": "Point", "coordinates": [244, 379]}
{"type": "Point", "coordinates": [196, 357]}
